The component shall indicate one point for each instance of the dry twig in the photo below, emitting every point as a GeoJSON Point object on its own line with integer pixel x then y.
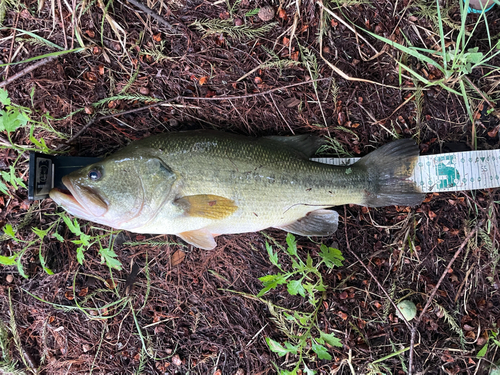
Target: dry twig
{"type": "Point", "coordinates": [433, 293]}
{"type": "Point", "coordinates": [27, 70]}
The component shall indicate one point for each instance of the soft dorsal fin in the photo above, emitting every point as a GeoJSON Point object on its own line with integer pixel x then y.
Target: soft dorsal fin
{"type": "Point", "coordinates": [316, 223]}
{"type": "Point", "coordinates": [206, 205]}
{"type": "Point", "coordinates": [306, 144]}
{"type": "Point", "coordinates": [201, 238]}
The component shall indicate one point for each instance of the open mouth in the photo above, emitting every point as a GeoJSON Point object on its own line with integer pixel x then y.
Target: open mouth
{"type": "Point", "coordinates": [78, 200]}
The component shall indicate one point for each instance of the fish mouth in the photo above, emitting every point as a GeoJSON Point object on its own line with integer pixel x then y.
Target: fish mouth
{"type": "Point", "coordinates": [80, 201]}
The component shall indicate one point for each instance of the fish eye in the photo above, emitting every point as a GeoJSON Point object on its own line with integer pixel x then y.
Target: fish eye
{"type": "Point", "coordinates": [95, 174]}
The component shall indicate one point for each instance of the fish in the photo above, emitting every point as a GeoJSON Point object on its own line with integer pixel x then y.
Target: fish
{"type": "Point", "coordinates": [202, 184]}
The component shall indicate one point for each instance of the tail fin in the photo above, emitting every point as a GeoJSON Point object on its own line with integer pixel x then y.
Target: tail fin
{"type": "Point", "coordinates": [388, 169]}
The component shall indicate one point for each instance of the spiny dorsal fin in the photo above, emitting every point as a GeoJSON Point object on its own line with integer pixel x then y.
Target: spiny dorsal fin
{"type": "Point", "coordinates": [206, 205]}
{"type": "Point", "coordinates": [306, 144]}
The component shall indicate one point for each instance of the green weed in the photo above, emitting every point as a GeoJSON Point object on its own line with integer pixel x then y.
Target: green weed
{"type": "Point", "coordinates": [85, 241]}
{"type": "Point", "coordinates": [301, 328]}
{"type": "Point", "coordinates": [215, 26]}
{"type": "Point", "coordinates": [493, 338]}
{"type": "Point", "coordinates": [12, 117]}
{"type": "Point", "coordinates": [454, 63]}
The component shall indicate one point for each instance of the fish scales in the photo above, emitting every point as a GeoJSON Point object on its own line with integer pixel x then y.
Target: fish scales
{"type": "Point", "coordinates": [202, 184]}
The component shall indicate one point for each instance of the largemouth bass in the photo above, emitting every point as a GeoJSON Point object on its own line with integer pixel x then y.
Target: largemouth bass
{"type": "Point", "coordinates": [201, 184]}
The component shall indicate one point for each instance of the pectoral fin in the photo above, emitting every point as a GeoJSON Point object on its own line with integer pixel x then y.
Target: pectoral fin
{"type": "Point", "coordinates": [315, 223]}
{"type": "Point", "coordinates": [201, 238]}
{"type": "Point", "coordinates": [207, 206]}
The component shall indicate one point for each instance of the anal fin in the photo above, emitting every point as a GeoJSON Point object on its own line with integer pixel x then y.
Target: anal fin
{"type": "Point", "coordinates": [315, 223]}
{"type": "Point", "coordinates": [201, 238]}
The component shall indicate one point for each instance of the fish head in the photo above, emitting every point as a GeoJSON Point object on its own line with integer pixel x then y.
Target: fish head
{"type": "Point", "coordinates": [122, 192]}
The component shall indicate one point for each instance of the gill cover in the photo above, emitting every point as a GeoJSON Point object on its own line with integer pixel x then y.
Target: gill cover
{"type": "Point", "coordinates": [122, 192]}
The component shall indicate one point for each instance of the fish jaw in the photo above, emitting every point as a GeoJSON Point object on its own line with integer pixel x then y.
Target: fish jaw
{"type": "Point", "coordinates": [80, 202]}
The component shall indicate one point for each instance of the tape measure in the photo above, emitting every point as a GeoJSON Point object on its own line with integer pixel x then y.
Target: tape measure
{"type": "Point", "coordinates": [454, 171]}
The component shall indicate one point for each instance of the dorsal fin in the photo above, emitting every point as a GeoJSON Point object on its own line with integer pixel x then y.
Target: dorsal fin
{"type": "Point", "coordinates": [306, 144]}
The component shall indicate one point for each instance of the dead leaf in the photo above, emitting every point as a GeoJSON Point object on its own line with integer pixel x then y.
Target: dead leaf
{"type": "Point", "coordinates": [291, 102]}
{"type": "Point", "coordinates": [90, 76]}
{"type": "Point", "coordinates": [157, 37]}
{"type": "Point", "coordinates": [177, 258]}
{"type": "Point", "coordinates": [111, 284]}
{"type": "Point", "coordinates": [493, 133]}
{"type": "Point", "coordinates": [69, 295]}
{"type": "Point", "coordinates": [342, 315]}
{"type": "Point", "coordinates": [202, 80]}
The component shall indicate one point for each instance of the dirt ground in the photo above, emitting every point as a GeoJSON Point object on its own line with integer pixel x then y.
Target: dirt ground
{"type": "Point", "coordinates": [289, 67]}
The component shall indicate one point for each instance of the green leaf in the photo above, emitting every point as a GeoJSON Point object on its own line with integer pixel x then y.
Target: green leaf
{"type": "Point", "coordinates": [252, 12]}
{"type": "Point", "coordinates": [273, 257]}
{"type": "Point", "coordinates": [14, 180]}
{"type": "Point", "coordinates": [40, 232]}
{"type": "Point", "coordinates": [58, 236]}
{"type": "Point", "coordinates": [4, 189]}
{"type": "Point", "coordinates": [20, 267]}
{"type": "Point", "coordinates": [74, 228]}
{"type": "Point", "coordinates": [331, 257]}
{"type": "Point", "coordinates": [292, 244]}
{"type": "Point", "coordinates": [80, 257]}
{"type": "Point", "coordinates": [11, 120]}
{"type": "Point", "coordinates": [109, 257]}
{"type": "Point", "coordinates": [9, 231]}
{"type": "Point", "coordinates": [271, 282]}
{"type": "Point", "coordinates": [8, 261]}
{"type": "Point", "coordinates": [291, 348]}
{"type": "Point", "coordinates": [4, 97]}
{"type": "Point", "coordinates": [289, 317]}
{"type": "Point", "coordinates": [295, 287]}
{"type": "Point", "coordinates": [321, 351]}
{"type": "Point", "coordinates": [42, 262]}
{"type": "Point", "coordinates": [303, 319]}
{"type": "Point", "coordinates": [320, 287]}
{"type": "Point", "coordinates": [276, 347]}
{"type": "Point", "coordinates": [309, 261]}
{"type": "Point", "coordinates": [330, 339]}
{"type": "Point", "coordinates": [482, 352]}
{"type": "Point", "coordinates": [295, 265]}
{"type": "Point", "coordinates": [308, 371]}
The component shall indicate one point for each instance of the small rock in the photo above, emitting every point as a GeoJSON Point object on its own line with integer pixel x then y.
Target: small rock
{"type": "Point", "coordinates": [176, 360]}
{"type": "Point", "coordinates": [144, 91]}
{"type": "Point", "coordinates": [9, 278]}
{"type": "Point", "coordinates": [238, 22]}
{"type": "Point", "coordinates": [266, 13]}
{"type": "Point", "coordinates": [408, 310]}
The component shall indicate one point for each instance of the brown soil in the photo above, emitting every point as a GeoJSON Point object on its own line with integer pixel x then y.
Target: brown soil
{"type": "Point", "coordinates": [198, 314]}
